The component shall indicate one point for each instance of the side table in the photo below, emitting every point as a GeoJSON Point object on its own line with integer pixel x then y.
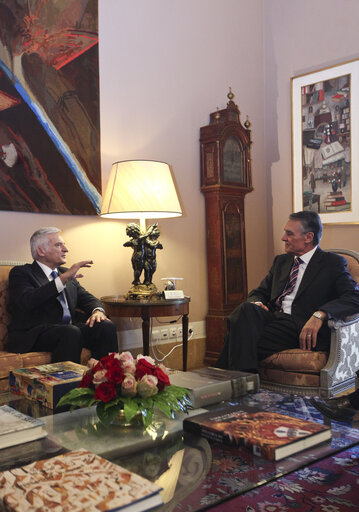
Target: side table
{"type": "Point", "coordinates": [117, 305]}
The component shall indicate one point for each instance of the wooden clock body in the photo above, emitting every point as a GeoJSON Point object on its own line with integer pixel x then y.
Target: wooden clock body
{"type": "Point", "coordinates": [225, 179]}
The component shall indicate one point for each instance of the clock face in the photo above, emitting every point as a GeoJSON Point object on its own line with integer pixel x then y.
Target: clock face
{"type": "Point", "coordinates": [233, 168]}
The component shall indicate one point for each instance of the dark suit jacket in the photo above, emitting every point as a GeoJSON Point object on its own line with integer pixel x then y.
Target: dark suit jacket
{"type": "Point", "coordinates": [326, 285]}
{"type": "Point", "coordinates": [33, 304]}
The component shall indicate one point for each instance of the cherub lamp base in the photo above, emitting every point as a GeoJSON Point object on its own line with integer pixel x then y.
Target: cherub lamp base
{"type": "Point", "coordinates": [142, 291]}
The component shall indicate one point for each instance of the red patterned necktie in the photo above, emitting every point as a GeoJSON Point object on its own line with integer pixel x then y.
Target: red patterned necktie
{"type": "Point", "coordinates": [289, 287]}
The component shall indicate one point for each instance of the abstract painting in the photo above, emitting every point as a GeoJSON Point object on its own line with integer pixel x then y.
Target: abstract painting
{"type": "Point", "coordinates": [49, 107]}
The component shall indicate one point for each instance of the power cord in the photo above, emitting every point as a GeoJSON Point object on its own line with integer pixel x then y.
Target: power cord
{"type": "Point", "coordinates": [154, 348]}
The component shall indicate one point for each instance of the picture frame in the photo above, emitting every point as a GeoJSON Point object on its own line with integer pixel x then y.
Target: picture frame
{"type": "Point", "coordinates": [325, 122]}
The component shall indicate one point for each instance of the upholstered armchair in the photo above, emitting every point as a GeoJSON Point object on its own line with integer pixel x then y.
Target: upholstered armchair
{"type": "Point", "coordinates": [297, 371]}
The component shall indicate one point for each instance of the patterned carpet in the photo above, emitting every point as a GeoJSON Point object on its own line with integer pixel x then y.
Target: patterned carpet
{"type": "Point", "coordinates": [330, 485]}
{"type": "Point", "coordinates": [322, 479]}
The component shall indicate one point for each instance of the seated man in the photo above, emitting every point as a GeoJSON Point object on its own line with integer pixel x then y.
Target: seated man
{"type": "Point", "coordinates": [43, 298]}
{"type": "Point", "coordinates": [289, 309]}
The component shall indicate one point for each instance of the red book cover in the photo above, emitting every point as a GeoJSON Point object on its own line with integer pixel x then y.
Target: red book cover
{"type": "Point", "coordinates": [268, 434]}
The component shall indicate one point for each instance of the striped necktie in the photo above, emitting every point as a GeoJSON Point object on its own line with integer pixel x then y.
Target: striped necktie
{"type": "Point", "coordinates": [66, 315]}
{"type": "Point", "coordinates": [289, 287]}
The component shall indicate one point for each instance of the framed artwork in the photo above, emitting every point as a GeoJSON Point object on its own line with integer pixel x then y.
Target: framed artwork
{"type": "Point", "coordinates": [325, 122]}
{"type": "Point", "coordinates": [49, 107]}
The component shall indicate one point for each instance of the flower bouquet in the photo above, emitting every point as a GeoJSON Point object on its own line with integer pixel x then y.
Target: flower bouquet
{"type": "Point", "coordinates": [118, 382]}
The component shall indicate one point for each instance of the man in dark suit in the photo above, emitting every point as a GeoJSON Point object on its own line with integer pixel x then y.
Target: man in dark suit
{"type": "Point", "coordinates": [290, 307]}
{"type": "Point", "coordinates": [44, 299]}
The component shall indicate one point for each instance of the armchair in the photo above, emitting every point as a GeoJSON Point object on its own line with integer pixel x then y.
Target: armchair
{"type": "Point", "coordinates": [297, 371]}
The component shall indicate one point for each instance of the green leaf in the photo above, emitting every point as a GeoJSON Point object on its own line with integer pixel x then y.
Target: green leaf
{"type": "Point", "coordinates": [78, 397]}
{"type": "Point", "coordinates": [130, 409]}
{"type": "Point", "coordinates": [147, 415]}
{"type": "Point", "coordinates": [107, 412]}
{"type": "Point", "coordinates": [165, 408]}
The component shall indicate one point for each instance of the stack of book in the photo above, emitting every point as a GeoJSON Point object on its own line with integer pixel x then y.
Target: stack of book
{"type": "Point", "coordinates": [212, 385]}
{"type": "Point", "coordinates": [335, 199]}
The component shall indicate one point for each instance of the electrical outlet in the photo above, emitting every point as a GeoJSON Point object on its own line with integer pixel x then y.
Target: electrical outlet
{"type": "Point", "coordinates": [164, 334]}
{"type": "Point", "coordinates": [179, 332]}
{"type": "Point", "coordinates": [191, 330]}
{"type": "Point", "coordinates": [173, 332]}
{"type": "Point", "coordinates": [155, 335]}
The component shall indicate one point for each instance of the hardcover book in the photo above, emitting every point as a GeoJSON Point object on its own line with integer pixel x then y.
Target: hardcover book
{"type": "Point", "coordinates": [268, 434]}
{"type": "Point", "coordinates": [242, 382]}
{"type": "Point", "coordinates": [18, 428]}
{"type": "Point", "coordinates": [46, 383]}
{"type": "Point", "coordinates": [202, 390]}
{"type": "Point", "coordinates": [76, 481]}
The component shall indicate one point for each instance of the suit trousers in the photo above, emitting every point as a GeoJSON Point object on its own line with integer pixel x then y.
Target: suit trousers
{"type": "Point", "coordinates": [354, 399]}
{"type": "Point", "coordinates": [254, 334]}
{"type": "Point", "coordinates": [67, 341]}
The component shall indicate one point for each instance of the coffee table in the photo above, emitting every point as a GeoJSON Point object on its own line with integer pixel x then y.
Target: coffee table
{"type": "Point", "coordinates": [194, 473]}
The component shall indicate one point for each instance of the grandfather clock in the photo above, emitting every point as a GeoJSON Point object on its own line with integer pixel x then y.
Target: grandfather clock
{"type": "Point", "coordinates": [225, 180]}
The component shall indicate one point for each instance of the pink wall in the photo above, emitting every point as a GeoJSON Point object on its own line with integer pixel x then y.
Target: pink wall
{"type": "Point", "coordinates": [164, 66]}
{"type": "Point", "coordinates": [301, 37]}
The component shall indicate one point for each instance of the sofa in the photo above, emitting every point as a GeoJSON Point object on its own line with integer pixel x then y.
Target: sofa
{"type": "Point", "coordinates": [9, 360]}
{"type": "Point", "coordinates": [297, 371]}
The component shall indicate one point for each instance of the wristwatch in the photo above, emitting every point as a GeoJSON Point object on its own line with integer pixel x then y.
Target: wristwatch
{"type": "Point", "coordinates": [319, 315]}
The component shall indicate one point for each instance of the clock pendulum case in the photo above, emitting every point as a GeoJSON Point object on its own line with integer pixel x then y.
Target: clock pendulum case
{"type": "Point", "coordinates": [226, 177]}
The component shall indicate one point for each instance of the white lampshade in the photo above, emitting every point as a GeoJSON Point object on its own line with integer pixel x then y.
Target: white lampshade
{"type": "Point", "coordinates": [140, 189]}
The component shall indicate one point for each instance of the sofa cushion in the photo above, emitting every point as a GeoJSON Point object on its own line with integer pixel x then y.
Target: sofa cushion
{"type": "Point", "coordinates": [8, 362]}
{"type": "Point", "coordinates": [296, 360]}
{"type": "Point", "coordinates": [35, 358]}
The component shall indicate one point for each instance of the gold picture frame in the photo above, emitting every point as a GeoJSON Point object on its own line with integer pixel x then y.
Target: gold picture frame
{"type": "Point", "coordinates": [324, 124]}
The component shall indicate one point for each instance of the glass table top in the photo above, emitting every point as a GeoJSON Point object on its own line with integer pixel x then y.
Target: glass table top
{"type": "Point", "coordinates": [194, 473]}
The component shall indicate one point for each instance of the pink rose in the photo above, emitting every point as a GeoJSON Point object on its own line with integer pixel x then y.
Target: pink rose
{"type": "Point", "coordinates": [149, 359]}
{"type": "Point", "coordinates": [125, 356]}
{"type": "Point", "coordinates": [147, 386]}
{"type": "Point", "coordinates": [129, 385]}
{"type": "Point", "coordinates": [91, 363]}
{"type": "Point", "coordinates": [129, 367]}
{"type": "Point", "coordinates": [99, 377]}
{"type": "Point", "coordinates": [164, 368]}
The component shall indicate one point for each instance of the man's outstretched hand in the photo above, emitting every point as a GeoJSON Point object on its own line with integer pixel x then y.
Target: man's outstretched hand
{"type": "Point", "coordinates": [73, 271]}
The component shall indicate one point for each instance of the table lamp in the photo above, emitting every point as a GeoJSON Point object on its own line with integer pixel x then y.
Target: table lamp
{"type": "Point", "coordinates": [141, 189]}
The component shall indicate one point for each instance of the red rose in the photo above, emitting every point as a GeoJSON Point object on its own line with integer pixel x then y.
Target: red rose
{"type": "Point", "coordinates": [105, 392]}
{"type": "Point", "coordinates": [86, 381]}
{"type": "Point", "coordinates": [163, 379]}
{"type": "Point", "coordinates": [97, 368]}
{"type": "Point", "coordinates": [108, 360]}
{"type": "Point", "coordinates": [115, 374]}
{"type": "Point", "coordinates": [143, 367]}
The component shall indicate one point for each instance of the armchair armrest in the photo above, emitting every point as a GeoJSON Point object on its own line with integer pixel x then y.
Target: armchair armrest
{"type": "Point", "coordinates": [349, 320]}
{"type": "Point", "coordinates": [343, 360]}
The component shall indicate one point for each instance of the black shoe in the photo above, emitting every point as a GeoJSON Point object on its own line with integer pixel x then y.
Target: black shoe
{"type": "Point", "coordinates": [338, 409]}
